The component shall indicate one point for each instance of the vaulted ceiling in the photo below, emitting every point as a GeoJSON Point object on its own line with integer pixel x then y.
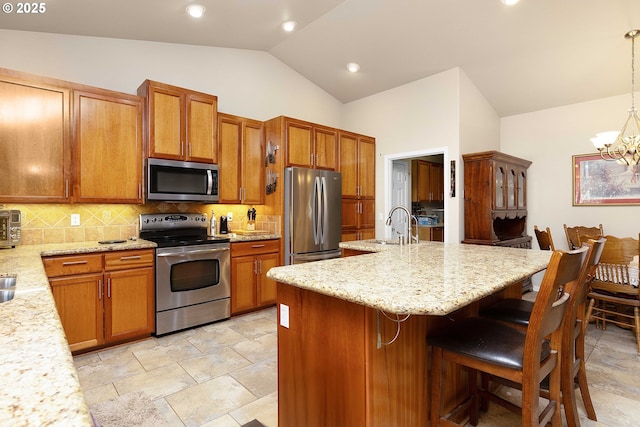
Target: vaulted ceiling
{"type": "Point", "coordinates": [534, 55]}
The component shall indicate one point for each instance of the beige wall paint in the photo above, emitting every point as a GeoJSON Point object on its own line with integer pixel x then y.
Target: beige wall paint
{"type": "Point", "coordinates": [549, 138]}
{"type": "Point", "coordinates": [248, 83]}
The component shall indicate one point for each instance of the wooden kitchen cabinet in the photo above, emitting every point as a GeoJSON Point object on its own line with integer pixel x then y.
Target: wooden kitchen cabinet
{"type": "Point", "coordinates": [357, 165]}
{"type": "Point", "coordinates": [427, 181]}
{"type": "Point", "coordinates": [495, 187]}
{"type": "Point", "coordinates": [103, 299]}
{"type": "Point", "coordinates": [36, 136]}
{"type": "Point", "coordinates": [241, 154]}
{"type": "Point", "coordinates": [431, 234]}
{"type": "Point", "coordinates": [91, 153]}
{"type": "Point", "coordinates": [250, 261]}
{"type": "Point", "coordinates": [180, 123]}
{"type": "Point", "coordinates": [108, 147]}
{"type": "Point", "coordinates": [310, 145]}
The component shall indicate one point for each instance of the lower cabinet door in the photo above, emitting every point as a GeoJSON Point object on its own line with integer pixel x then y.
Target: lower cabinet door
{"type": "Point", "coordinates": [79, 303]}
{"type": "Point", "coordinates": [267, 287]}
{"type": "Point", "coordinates": [129, 303]}
{"type": "Point", "coordinates": [243, 283]}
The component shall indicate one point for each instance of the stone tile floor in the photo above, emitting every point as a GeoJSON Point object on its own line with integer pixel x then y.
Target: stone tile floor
{"type": "Point", "coordinates": [225, 374]}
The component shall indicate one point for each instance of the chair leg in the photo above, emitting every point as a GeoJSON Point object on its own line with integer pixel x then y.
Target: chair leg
{"type": "Point", "coordinates": [581, 375]}
{"type": "Point", "coordinates": [587, 318]}
{"type": "Point", "coordinates": [636, 313]}
{"type": "Point", "coordinates": [568, 392]}
{"type": "Point", "coordinates": [436, 385]}
{"type": "Point", "coordinates": [475, 404]}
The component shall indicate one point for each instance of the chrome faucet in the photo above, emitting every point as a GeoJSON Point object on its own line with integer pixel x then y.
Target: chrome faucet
{"type": "Point", "coordinates": [410, 217]}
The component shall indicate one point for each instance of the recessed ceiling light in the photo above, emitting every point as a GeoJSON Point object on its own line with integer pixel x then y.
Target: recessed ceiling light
{"type": "Point", "coordinates": [353, 67]}
{"type": "Point", "coordinates": [195, 10]}
{"type": "Point", "coordinates": [289, 26]}
{"type": "Point", "coordinates": [510, 2]}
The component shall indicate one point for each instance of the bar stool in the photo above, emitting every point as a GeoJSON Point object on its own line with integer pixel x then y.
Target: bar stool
{"type": "Point", "coordinates": [573, 370]}
{"type": "Point", "coordinates": [504, 351]}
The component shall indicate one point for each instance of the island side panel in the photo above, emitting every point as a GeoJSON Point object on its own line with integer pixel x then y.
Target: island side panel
{"type": "Point", "coordinates": [331, 373]}
{"type": "Point", "coordinates": [321, 360]}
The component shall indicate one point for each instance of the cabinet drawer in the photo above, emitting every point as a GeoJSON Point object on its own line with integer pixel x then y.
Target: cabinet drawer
{"type": "Point", "coordinates": [254, 247]}
{"type": "Point", "coordinates": [75, 264]}
{"type": "Point", "coordinates": [128, 259]}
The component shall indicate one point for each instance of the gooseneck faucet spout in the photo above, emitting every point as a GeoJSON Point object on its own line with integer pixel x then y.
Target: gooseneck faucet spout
{"type": "Point", "coordinates": [410, 218]}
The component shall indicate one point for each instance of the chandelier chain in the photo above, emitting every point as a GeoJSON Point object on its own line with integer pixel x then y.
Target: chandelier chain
{"type": "Point", "coordinates": [633, 70]}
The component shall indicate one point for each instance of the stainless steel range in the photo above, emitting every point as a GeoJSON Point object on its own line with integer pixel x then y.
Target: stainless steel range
{"type": "Point", "coordinates": [192, 271]}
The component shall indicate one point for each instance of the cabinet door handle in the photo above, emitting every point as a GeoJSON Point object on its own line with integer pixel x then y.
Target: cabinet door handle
{"type": "Point", "coordinates": [316, 160]}
{"type": "Point", "coordinates": [66, 263]}
{"type": "Point", "coordinates": [99, 289]}
{"type": "Point", "coordinates": [109, 287]}
{"type": "Point", "coordinates": [240, 193]}
{"type": "Point", "coordinates": [255, 266]}
{"type": "Point", "coordinates": [66, 188]}
{"type": "Point", "coordinates": [311, 159]}
{"type": "Point", "coordinates": [260, 266]}
{"type": "Point", "coordinates": [127, 258]}
{"type": "Point", "coordinates": [257, 246]}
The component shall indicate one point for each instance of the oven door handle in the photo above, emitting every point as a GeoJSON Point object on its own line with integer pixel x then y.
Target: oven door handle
{"type": "Point", "coordinates": [183, 254]}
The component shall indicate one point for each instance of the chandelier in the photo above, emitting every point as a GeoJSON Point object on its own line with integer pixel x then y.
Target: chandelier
{"type": "Point", "coordinates": [623, 146]}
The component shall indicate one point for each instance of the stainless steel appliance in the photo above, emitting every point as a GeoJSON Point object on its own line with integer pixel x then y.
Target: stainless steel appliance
{"type": "Point", "coordinates": [10, 228]}
{"type": "Point", "coordinates": [192, 271]}
{"type": "Point", "coordinates": [172, 180]}
{"type": "Point", "coordinates": [312, 214]}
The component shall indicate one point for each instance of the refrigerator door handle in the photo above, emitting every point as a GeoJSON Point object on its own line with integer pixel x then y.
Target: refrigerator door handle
{"type": "Point", "coordinates": [316, 211]}
{"type": "Point", "coordinates": [325, 211]}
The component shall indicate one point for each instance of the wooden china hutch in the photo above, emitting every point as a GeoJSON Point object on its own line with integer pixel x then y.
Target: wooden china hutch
{"type": "Point", "coordinates": [495, 200]}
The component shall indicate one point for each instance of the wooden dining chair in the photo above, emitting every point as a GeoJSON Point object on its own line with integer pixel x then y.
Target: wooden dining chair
{"type": "Point", "coordinates": [614, 295]}
{"type": "Point", "coordinates": [572, 365]}
{"type": "Point", "coordinates": [504, 351]}
{"type": "Point", "coordinates": [545, 242]}
{"type": "Point", "coordinates": [573, 240]}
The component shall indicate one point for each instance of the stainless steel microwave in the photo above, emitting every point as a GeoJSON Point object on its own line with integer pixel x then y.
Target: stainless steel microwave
{"type": "Point", "coordinates": [171, 180]}
{"type": "Point", "coordinates": [10, 228]}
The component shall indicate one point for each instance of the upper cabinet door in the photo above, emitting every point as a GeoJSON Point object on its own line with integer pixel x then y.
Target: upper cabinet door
{"type": "Point", "coordinates": [230, 140]}
{"type": "Point", "coordinates": [366, 166]}
{"type": "Point", "coordinates": [166, 129]}
{"type": "Point", "coordinates": [349, 164]}
{"type": "Point", "coordinates": [253, 170]}
{"type": "Point", "coordinates": [107, 147]}
{"type": "Point", "coordinates": [299, 144]}
{"type": "Point", "coordinates": [201, 128]}
{"type": "Point", "coordinates": [181, 123]}
{"type": "Point", "coordinates": [325, 148]}
{"type": "Point", "coordinates": [35, 138]}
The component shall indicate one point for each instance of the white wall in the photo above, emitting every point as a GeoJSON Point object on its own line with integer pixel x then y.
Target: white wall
{"type": "Point", "coordinates": [549, 138]}
{"type": "Point", "coordinates": [248, 83]}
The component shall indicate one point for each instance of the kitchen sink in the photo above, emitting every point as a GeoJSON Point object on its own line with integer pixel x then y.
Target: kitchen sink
{"type": "Point", "coordinates": [383, 242]}
{"type": "Point", "coordinates": [7, 288]}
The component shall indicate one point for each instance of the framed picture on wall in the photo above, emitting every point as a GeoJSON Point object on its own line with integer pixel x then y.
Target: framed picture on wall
{"type": "Point", "coordinates": [598, 182]}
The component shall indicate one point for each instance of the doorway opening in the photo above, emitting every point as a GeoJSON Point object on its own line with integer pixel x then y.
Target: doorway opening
{"type": "Point", "coordinates": [408, 180]}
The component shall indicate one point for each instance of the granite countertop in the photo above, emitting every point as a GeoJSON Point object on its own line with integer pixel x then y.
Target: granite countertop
{"type": "Point", "coordinates": [39, 385]}
{"type": "Point", "coordinates": [429, 278]}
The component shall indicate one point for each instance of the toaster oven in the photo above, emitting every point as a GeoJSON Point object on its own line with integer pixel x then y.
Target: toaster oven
{"type": "Point", "coordinates": [9, 228]}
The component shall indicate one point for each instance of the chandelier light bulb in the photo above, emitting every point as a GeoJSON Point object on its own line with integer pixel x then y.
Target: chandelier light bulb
{"type": "Point", "coordinates": [509, 2]}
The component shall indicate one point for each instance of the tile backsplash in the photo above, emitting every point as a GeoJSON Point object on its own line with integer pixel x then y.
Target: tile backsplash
{"type": "Point", "coordinates": [51, 223]}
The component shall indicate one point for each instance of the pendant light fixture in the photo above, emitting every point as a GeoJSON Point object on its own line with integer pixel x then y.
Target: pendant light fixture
{"type": "Point", "coordinates": [623, 146]}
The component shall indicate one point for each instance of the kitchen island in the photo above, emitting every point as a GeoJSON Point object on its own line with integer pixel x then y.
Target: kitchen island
{"type": "Point", "coordinates": [353, 349]}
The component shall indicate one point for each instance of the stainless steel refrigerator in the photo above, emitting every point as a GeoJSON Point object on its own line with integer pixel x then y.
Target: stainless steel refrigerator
{"type": "Point", "coordinates": [312, 214]}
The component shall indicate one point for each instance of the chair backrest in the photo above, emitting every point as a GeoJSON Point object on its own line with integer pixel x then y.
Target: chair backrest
{"type": "Point", "coordinates": [617, 270]}
{"type": "Point", "coordinates": [572, 234]}
{"type": "Point", "coordinates": [580, 288]}
{"type": "Point", "coordinates": [549, 309]}
{"type": "Point", "coordinates": [544, 238]}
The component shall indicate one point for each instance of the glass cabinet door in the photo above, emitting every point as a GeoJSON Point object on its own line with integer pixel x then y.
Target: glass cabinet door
{"type": "Point", "coordinates": [511, 189]}
{"type": "Point", "coordinates": [500, 172]}
{"type": "Point", "coordinates": [522, 190]}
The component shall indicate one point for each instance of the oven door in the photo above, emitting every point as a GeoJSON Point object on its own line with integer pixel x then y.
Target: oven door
{"type": "Point", "coordinates": [188, 275]}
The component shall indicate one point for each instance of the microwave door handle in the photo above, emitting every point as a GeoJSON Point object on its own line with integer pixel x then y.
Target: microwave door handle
{"type": "Point", "coordinates": [209, 182]}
